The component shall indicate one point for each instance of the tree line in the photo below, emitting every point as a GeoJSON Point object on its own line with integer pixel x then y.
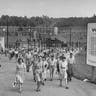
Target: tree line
{"type": "Point", "coordinates": [25, 21]}
{"type": "Point", "coordinates": [45, 21]}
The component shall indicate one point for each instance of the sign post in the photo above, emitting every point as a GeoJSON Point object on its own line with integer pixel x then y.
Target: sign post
{"type": "Point", "coordinates": [91, 46]}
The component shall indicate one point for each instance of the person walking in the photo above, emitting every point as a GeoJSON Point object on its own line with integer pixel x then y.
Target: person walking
{"type": "Point", "coordinates": [71, 62]}
{"type": "Point", "coordinates": [20, 74]}
{"type": "Point", "coordinates": [63, 71]}
{"type": "Point", "coordinates": [38, 71]}
{"type": "Point", "coordinates": [45, 66]}
{"type": "Point", "coordinates": [28, 61]}
{"type": "Point", "coordinates": [52, 67]}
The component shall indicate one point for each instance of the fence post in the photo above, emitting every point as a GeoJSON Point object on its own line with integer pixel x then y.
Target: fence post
{"type": "Point", "coordinates": [92, 74]}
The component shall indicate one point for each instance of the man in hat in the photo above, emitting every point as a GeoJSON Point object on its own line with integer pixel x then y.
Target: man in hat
{"type": "Point", "coordinates": [71, 61]}
{"type": "Point", "coordinates": [38, 71]}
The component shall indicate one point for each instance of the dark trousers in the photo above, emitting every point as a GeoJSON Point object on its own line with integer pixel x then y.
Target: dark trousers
{"type": "Point", "coordinates": [70, 72]}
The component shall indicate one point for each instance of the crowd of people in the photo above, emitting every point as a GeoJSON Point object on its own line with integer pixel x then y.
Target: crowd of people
{"type": "Point", "coordinates": [41, 62]}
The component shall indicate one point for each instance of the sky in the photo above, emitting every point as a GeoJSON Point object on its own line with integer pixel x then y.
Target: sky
{"type": "Point", "coordinates": [51, 8]}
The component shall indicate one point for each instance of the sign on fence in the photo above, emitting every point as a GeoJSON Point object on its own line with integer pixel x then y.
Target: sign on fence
{"type": "Point", "coordinates": [91, 44]}
{"type": "Point", "coordinates": [2, 43]}
{"type": "Point", "coordinates": [56, 30]}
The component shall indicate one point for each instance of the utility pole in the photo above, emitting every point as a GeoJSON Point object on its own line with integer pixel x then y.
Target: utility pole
{"type": "Point", "coordinates": [29, 39]}
{"type": "Point", "coordinates": [70, 36]}
{"type": "Point", "coordinates": [7, 35]}
{"type": "Point", "coordinates": [30, 33]}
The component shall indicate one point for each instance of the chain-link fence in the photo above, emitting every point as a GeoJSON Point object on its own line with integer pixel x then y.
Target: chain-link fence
{"type": "Point", "coordinates": [74, 36]}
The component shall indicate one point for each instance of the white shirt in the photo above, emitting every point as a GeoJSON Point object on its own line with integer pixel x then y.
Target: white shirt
{"type": "Point", "coordinates": [16, 52]}
{"type": "Point", "coordinates": [53, 62]}
{"type": "Point", "coordinates": [63, 64]}
{"type": "Point", "coordinates": [28, 56]}
{"type": "Point", "coordinates": [71, 60]}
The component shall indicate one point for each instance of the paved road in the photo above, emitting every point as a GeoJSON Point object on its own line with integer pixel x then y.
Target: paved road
{"type": "Point", "coordinates": [76, 87]}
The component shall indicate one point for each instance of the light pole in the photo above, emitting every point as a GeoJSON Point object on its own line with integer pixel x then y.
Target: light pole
{"type": "Point", "coordinates": [7, 34]}
{"type": "Point", "coordinates": [56, 33]}
{"type": "Point", "coordinates": [28, 43]}
{"type": "Point", "coordinates": [35, 38]}
{"type": "Point", "coordinates": [39, 40]}
{"type": "Point", "coordinates": [30, 32]}
{"type": "Point", "coordinates": [70, 35]}
{"type": "Point", "coordinates": [30, 35]}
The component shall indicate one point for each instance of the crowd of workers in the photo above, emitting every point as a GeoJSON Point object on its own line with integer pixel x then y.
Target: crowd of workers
{"type": "Point", "coordinates": [42, 62]}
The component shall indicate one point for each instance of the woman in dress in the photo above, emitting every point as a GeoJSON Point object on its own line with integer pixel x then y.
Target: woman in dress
{"type": "Point", "coordinates": [20, 74]}
{"type": "Point", "coordinates": [63, 71]}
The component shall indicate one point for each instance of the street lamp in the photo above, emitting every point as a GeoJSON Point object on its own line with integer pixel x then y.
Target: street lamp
{"type": "Point", "coordinates": [56, 33]}
{"type": "Point", "coordinates": [70, 36]}
{"type": "Point", "coordinates": [30, 32]}
{"type": "Point", "coordinates": [39, 39]}
{"type": "Point", "coordinates": [7, 34]}
{"type": "Point", "coordinates": [29, 40]}
{"type": "Point", "coordinates": [28, 43]}
{"type": "Point", "coordinates": [35, 38]}
{"type": "Point", "coordinates": [4, 30]}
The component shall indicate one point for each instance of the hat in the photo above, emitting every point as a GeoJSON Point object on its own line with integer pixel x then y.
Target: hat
{"type": "Point", "coordinates": [20, 58]}
{"type": "Point", "coordinates": [71, 53]}
{"type": "Point", "coordinates": [52, 55]}
{"type": "Point", "coordinates": [43, 56]}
